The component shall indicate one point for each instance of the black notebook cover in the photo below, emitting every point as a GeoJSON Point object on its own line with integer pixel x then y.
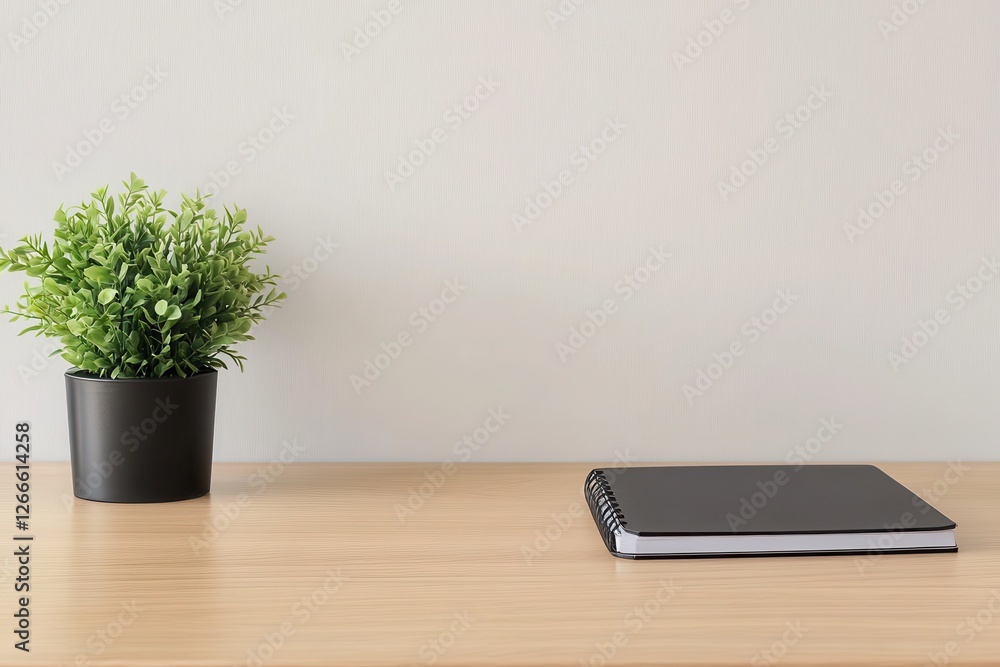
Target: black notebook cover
{"type": "Point", "coordinates": [756, 500]}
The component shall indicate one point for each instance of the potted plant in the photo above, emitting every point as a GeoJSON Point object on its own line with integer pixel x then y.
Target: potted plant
{"type": "Point", "coordinates": [147, 304]}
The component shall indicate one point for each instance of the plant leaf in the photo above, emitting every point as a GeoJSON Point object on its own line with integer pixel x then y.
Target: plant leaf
{"type": "Point", "coordinates": [107, 295]}
{"type": "Point", "coordinates": [99, 273]}
{"type": "Point", "coordinates": [132, 289]}
{"type": "Point", "coordinates": [51, 286]}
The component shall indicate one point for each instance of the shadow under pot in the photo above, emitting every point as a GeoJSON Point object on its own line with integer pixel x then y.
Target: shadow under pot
{"type": "Point", "coordinates": [141, 440]}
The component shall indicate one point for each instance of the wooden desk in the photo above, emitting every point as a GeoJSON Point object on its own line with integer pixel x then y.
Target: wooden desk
{"type": "Point", "coordinates": [321, 565]}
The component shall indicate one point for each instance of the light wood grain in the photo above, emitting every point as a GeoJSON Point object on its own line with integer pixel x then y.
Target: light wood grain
{"type": "Point", "coordinates": [460, 568]}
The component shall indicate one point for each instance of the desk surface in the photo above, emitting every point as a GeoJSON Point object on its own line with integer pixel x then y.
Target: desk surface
{"type": "Point", "coordinates": [321, 565]}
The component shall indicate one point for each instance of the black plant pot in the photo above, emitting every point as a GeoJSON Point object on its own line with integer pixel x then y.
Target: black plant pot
{"type": "Point", "coordinates": [141, 440]}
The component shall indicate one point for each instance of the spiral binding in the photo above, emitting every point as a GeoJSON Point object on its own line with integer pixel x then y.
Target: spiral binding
{"type": "Point", "coordinates": [604, 507]}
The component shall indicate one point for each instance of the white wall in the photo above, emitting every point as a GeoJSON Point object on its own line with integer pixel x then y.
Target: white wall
{"type": "Point", "coordinates": [683, 127]}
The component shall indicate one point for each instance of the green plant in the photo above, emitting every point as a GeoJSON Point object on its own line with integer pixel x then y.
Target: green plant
{"type": "Point", "coordinates": [134, 290]}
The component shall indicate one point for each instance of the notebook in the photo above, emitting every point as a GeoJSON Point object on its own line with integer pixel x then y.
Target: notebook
{"type": "Point", "coordinates": [751, 510]}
